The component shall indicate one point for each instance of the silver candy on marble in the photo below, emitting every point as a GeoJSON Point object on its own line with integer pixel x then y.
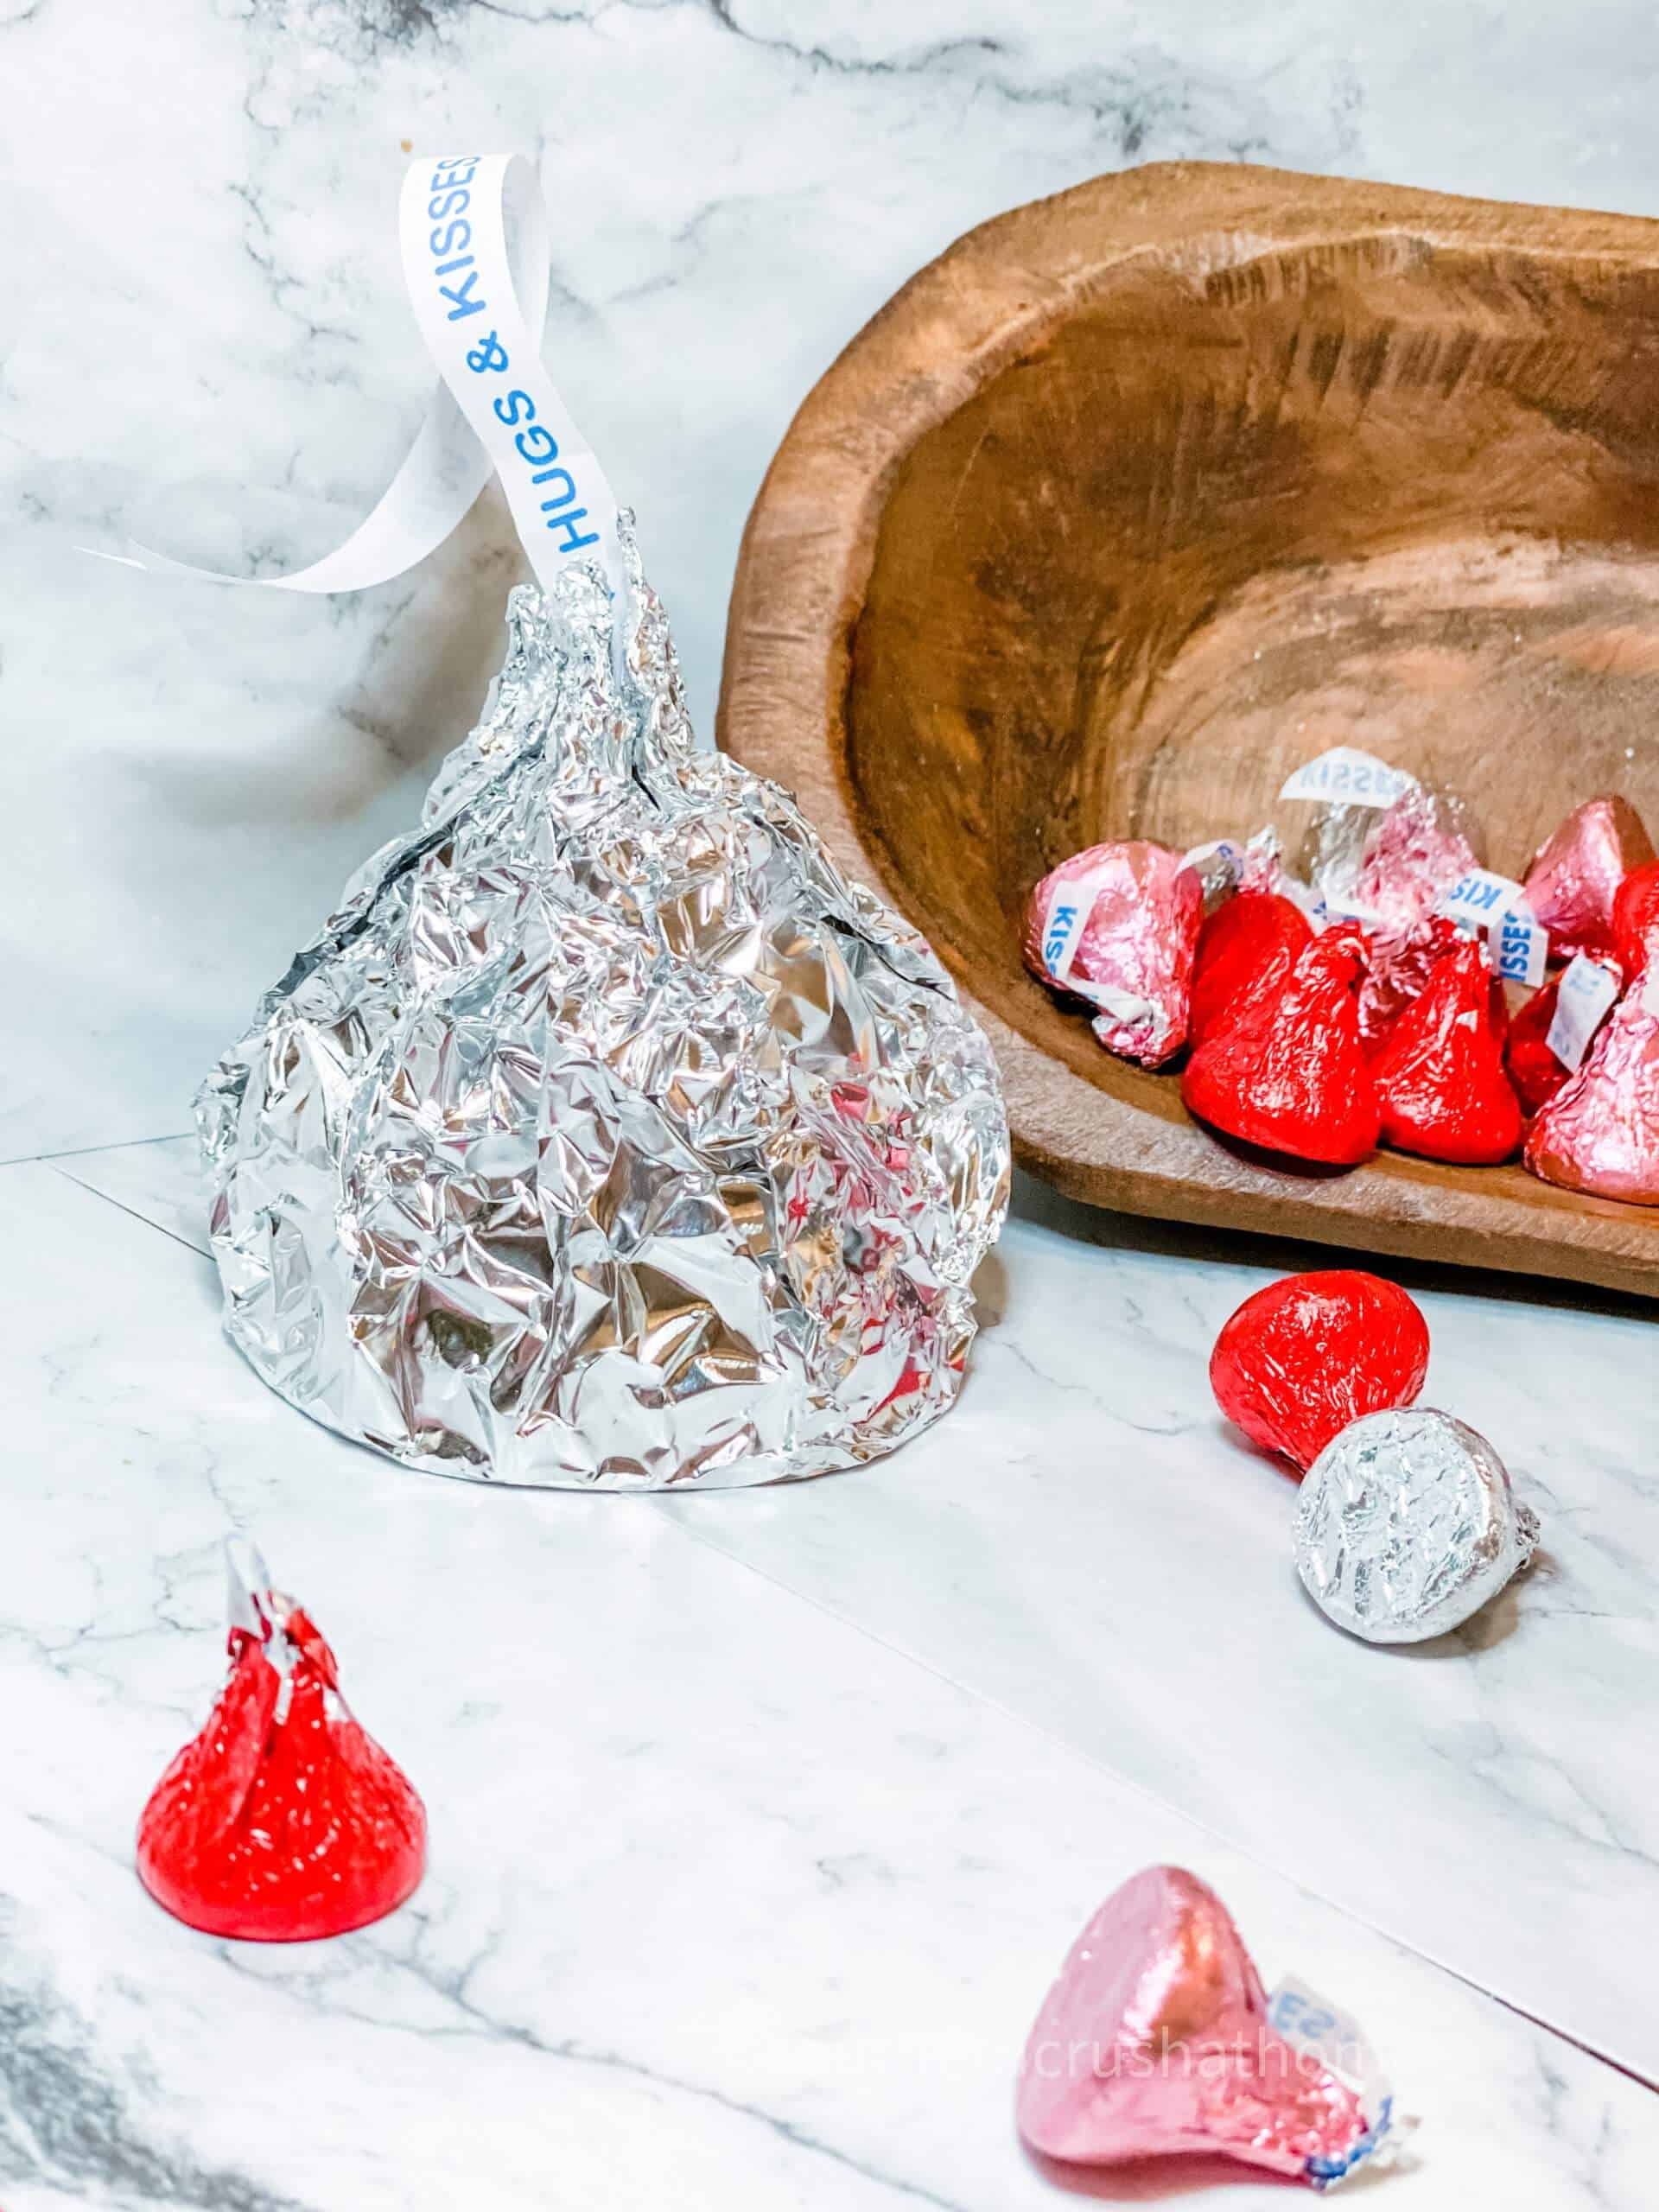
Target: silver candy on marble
{"type": "Point", "coordinates": [607, 1137]}
{"type": "Point", "coordinates": [1407, 1524]}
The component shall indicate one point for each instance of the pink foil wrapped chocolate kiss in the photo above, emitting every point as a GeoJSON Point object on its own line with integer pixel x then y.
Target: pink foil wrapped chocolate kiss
{"type": "Point", "coordinates": [1156, 2040]}
{"type": "Point", "coordinates": [1575, 874]}
{"type": "Point", "coordinates": [1600, 1134]}
{"type": "Point", "coordinates": [1118, 925]}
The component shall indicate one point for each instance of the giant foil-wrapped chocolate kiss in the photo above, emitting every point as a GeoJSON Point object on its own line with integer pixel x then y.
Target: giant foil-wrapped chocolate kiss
{"type": "Point", "coordinates": [607, 1136]}
{"type": "Point", "coordinates": [1158, 2038]}
{"type": "Point", "coordinates": [282, 1821]}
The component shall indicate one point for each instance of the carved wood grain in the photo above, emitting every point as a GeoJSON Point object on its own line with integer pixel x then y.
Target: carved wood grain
{"type": "Point", "coordinates": [1141, 495]}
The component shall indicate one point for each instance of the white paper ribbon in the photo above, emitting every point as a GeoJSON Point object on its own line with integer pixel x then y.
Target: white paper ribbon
{"type": "Point", "coordinates": [474, 241]}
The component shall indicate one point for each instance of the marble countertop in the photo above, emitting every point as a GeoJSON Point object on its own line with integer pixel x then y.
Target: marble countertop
{"type": "Point", "coordinates": [759, 1820]}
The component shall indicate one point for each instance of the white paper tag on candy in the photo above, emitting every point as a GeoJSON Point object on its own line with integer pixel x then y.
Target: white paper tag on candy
{"type": "Point", "coordinates": [1070, 904]}
{"type": "Point", "coordinates": [1584, 999]}
{"type": "Point", "coordinates": [1325, 911]}
{"type": "Point", "coordinates": [1481, 898]}
{"type": "Point", "coordinates": [1314, 2027]}
{"type": "Point", "coordinates": [1346, 776]}
{"type": "Point", "coordinates": [1496, 907]}
{"type": "Point", "coordinates": [1520, 948]}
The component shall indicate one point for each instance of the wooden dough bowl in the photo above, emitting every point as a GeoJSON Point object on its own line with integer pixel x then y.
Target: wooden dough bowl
{"type": "Point", "coordinates": [1141, 496]}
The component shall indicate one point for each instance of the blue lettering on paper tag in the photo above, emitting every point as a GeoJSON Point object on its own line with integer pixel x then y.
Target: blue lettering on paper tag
{"type": "Point", "coordinates": [1225, 850]}
{"type": "Point", "coordinates": [1522, 948]}
{"type": "Point", "coordinates": [1346, 776]}
{"type": "Point", "coordinates": [1317, 2030]}
{"type": "Point", "coordinates": [1494, 906]}
{"type": "Point", "coordinates": [1310, 2024]}
{"type": "Point", "coordinates": [1069, 908]}
{"type": "Point", "coordinates": [1584, 999]}
{"type": "Point", "coordinates": [1323, 911]}
{"type": "Point", "coordinates": [1065, 920]}
{"type": "Point", "coordinates": [1481, 897]}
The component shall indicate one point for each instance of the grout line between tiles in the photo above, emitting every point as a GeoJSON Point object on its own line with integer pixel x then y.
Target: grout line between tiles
{"type": "Point", "coordinates": [82, 1151]}
{"type": "Point", "coordinates": [120, 1204]}
{"type": "Point", "coordinates": [664, 1507]}
{"type": "Point", "coordinates": [663, 1510]}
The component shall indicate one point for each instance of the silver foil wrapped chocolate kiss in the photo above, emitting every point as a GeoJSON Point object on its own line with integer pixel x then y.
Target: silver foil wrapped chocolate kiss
{"type": "Point", "coordinates": [1405, 1524]}
{"type": "Point", "coordinates": [607, 1137]}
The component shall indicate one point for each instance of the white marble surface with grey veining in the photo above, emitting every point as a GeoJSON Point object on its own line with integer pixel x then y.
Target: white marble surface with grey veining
{"type": "Point", "coordinates": [759, 1822]}
{"type": "Point", "coordinates": [204, 343]}
{"type": "Point", "coordinates": [731, 1903]}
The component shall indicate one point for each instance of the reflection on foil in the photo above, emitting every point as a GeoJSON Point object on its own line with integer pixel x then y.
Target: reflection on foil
{"type": "Point", "coordinates": [607, 1137]}
{"type": "Point", "coordinates": [1407, 1524]}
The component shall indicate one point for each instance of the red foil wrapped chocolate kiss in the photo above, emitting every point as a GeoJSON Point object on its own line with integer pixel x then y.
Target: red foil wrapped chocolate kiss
{"type": "Point", "coordinates": [282, 1821]}
{"type": "Point", "coordinates": [1300, 1360]}
{"type": "Point", "coordinates": [1636, 918]}
{"type": "Point", "coordinates": [1534, 1069]}
{"type": "Point", "coordinates": [1440, 1075]}
{"type": "Point", "coordinates": [1246, 949]}
{"type": "Point", "coordinates": [1157, 2040]}
{"type": "Point", "coordinates": [1399, 972]}
{"type": "Point", "coordinates": [1292, 1076]}
{"type": "Point", "coordinates": [1575, 874]}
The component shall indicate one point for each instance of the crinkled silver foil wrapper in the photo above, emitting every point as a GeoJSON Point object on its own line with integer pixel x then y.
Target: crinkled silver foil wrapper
{"type": "Point", "coordinates": [1406, 1525]}
{"type": "Point", "coordinates": [607, 1137]}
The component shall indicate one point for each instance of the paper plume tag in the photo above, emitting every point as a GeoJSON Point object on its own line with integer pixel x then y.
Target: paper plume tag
{"type": "Point", "coordinates": [1584, 999]}
{"type": "Point", "coordinates": [1496, 907]}
{"type": "Point", "coordinates": [1314, 2027]}
{"type": "Point", "coordinates": [1346, 776]}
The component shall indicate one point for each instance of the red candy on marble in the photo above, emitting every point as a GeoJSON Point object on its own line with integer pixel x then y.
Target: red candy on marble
{"type": "Point", "coordinates": [1132, 958]}
{"type": "Point", "coordinates": [1575, 876]}
{"type": "Point", "coordinates": [1300, 1360]}
{"type": "Point", "coordinates": [1636, 918]}
{"type": "Point", "coordinates": [1440, 1075]}
{"type": "Point", "coordinates": [282, 1821]}
{"type": "Point", "coordinates": [1246, 949]}
{"type": "Point", "coordinates": [1600, 1132]}
{"type": "Point", "coordinates": [1293, 1078]}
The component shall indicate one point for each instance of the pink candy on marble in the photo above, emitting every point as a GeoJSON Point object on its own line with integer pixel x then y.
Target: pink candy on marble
{"type": "Point", "coordinates": [1155, 2040]}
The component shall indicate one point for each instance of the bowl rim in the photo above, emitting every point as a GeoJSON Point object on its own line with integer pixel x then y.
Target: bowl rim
{"type": "Point", "coordinates": [803, 570]}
